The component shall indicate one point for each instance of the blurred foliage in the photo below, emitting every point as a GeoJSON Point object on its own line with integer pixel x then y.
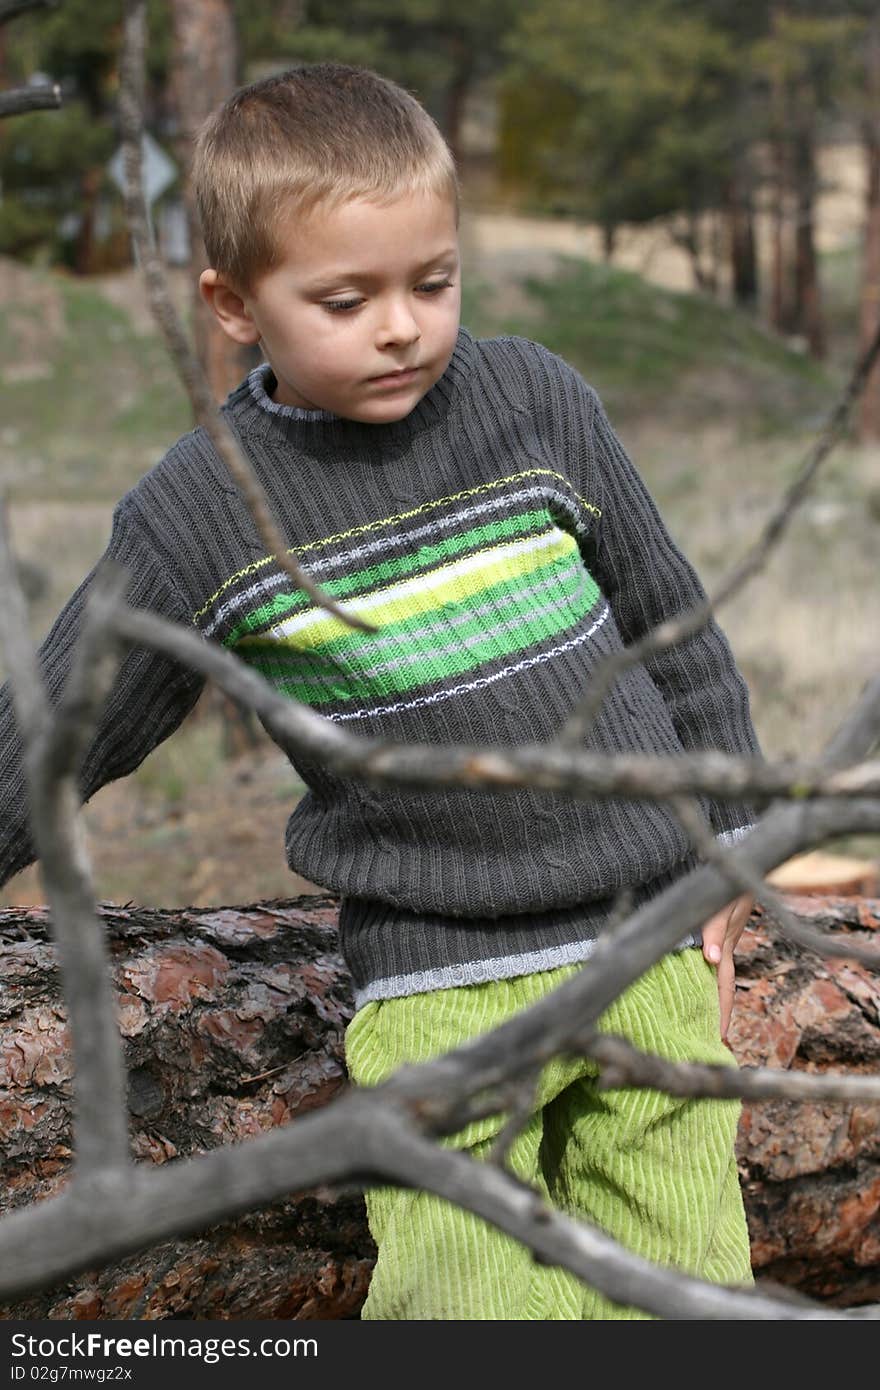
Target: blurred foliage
{"type": "Point", "coordinates": [625, 121]}
{"type": "Point", "coordinates": [617, 122]}
{"type": "Point", "coordinates": [611, 114]}
{"type": "Point", "coordinates": [435, 48]}
{"type": "Point", "coordinates": [49, 159]}
{"type": "Point", "coordinates": [653, 352]}
{"type": "Point", "coordinates": [43, 159]}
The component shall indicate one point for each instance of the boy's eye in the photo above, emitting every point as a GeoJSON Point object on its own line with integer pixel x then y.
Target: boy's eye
{"type": "Point", "coordinates": [340, 305]}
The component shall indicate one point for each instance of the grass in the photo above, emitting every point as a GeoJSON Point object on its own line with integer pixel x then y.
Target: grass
{"type": "Point", "coordinates": [650, 350]}
{"type": "Point", "coordinates": [96, 406]}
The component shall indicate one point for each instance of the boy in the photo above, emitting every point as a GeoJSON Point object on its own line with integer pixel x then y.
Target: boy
{"type": "Point", "coordinates": [471, 499]}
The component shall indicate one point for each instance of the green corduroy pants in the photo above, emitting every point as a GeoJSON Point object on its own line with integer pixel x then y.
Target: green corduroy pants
{"type": "Point", "coordinates": [656, 1172]}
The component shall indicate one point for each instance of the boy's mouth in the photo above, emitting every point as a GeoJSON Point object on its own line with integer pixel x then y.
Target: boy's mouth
{"type": "Point", "coordinates": [396, 378]}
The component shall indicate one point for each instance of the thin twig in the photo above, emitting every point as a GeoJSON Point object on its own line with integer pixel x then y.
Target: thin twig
{"type": "Point", "coordinates": [204, 408]}
{"type": "Point", "coordinates": [674, 630]}
{"type": "Point", "coordinates": [624, 1065]}
{"type": "Point", "coordinates": [522, 1105]}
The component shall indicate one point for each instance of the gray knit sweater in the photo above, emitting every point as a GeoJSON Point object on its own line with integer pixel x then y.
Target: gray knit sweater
{"type": "Point", "coordinates": [502, 542]}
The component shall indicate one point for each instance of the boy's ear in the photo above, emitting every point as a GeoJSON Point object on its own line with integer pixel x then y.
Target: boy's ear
{"type": "Point", "coordinates": [229, 308]}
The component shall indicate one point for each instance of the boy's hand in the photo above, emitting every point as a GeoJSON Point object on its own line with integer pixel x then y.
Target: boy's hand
{"type": "Point", "coordinates": [721, 935]}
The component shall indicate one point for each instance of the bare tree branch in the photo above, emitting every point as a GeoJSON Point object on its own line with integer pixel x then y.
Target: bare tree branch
{"type": "Point", "coordinates": [668, 634]}
{"type": "Point", "coordinates": [51, 755]}
{"type": "Point", "coordinates": [37, 98]}
{"type": "Point", "coordinates": [578, 772]}
{"type": "Point", "coordinates": [859, 734]}
{"type": "Point", "coordinates": [624, 1065]}
{"type": "Point", "coordinates": [371, 1136]}
{"type": "Point", "coordinates": [361, 1137]}
{"type": "Point", "coordinates": [9, 9]}
{"type": "Point", "coordinates": [204, 408]}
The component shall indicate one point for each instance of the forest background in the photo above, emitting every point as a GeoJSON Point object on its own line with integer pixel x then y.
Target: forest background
{"type": "Point", "coordinates": [685, 206]}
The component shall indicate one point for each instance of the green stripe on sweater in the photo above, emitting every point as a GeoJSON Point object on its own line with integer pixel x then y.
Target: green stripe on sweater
{"type": "Point", "coordinates": [430, 666]}
{"type": "Point", "coordinates": [389, 571]}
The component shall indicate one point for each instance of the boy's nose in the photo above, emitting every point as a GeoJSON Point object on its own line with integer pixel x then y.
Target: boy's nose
{"type": "Point", "coordinates": [398, 326]}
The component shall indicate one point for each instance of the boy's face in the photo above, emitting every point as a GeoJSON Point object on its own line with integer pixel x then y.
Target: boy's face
{"type": "Point", "coordinates": [361, 291]}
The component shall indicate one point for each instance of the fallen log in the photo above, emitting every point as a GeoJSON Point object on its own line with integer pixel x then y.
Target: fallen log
{"type": "Point", "coordinates": [233, 1021]}
{"type": "Point", "coordinates": [811, 1173]}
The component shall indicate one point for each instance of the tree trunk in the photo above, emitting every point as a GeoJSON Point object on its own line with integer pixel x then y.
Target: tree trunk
{"type": "Point", "coordinates": [808, 306]}
{"type": "Point", "coordinates": [741, 242]}
{"type": "Point", "coordinates": [811, 1172]}
{"type": "Point", "coordinates": [456, 96]}
{"type": "Point", "coordinates": [869, 309]}
{"type": "Point", "coordinates": [233, 1022]}
{"type": "Point", "coordinates": [204, 73]}
{"type": "Point", "coordinates": [691, 241]}
{"type": "Point", "coordinates": [780, 301]}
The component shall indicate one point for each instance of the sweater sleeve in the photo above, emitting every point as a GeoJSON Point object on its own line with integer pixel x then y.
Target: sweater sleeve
{"type": "Point", "coordinates": [150, 697]}
{"type": "Point", "coordinates": [645, 577]}
{"type": "Point", "coordinates": [647, 580]}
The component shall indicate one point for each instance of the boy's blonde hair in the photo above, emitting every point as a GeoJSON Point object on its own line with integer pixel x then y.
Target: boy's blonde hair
{"type": "Point", "coordinates": [318, 134]}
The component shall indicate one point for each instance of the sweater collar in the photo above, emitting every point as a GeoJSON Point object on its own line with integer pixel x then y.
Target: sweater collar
{"type": "Point", "coordinates": [255, 413]}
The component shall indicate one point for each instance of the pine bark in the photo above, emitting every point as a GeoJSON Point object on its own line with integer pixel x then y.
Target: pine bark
{"type": "Point", "coordinates": [741, 241]}
{"type": "Point", "coordinates": [233, 1021]}
{"type": "Point", "coordinates": [869, 310]}
{"type": "Point", "coordinates": [806, 266]}
{"type": "Point", "coordinates": [205, 72]}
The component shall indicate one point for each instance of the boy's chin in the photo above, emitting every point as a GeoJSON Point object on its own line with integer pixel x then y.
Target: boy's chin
{"type": "Point", "coordinates": [384, 412]}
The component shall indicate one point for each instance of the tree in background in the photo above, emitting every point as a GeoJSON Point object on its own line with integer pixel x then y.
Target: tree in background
{"type": "Point", "coordinates": [53, 164]}
{"type": "Point", "coordinates": [869, 307]}
{"type": "Point", "coordinates": [700, 115]}
{"type": "Point", "coordinates": [691, 114]}
{"type": "Point", "coordinates": [50, 163]}
{"type": "Point", "coordinates": [803, 57]}
{"type": "Point", "coordinates": [619, 123]}
{"type": "Point", "coordinates": [439, 49]}
{"type": "Point", "coordinates": [205, 70]}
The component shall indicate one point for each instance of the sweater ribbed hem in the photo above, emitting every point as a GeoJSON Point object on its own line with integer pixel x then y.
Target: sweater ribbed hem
{"type": "Point", "coordinates": [482, 972]}
{"type": "Point", "coordinates": [392, 951]}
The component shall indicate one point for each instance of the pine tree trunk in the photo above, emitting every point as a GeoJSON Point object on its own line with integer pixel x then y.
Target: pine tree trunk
{"type": "Point", "coordinates": [869, 310]}
{"type": "Point", "coordinates": [456, 97]}
{"type": "Point", "coordinates": [741, 241]}
{"type": "Point", "coordinates": [781, 298]}
{"type": "Point", "coordinates": [84, 251]}
{"type": "Point", "coordinates": [233, 1022]}
{"type": "Point", "coordinates": [808, 304]}
{"type": "Point", "coordinates": [205, 72]}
